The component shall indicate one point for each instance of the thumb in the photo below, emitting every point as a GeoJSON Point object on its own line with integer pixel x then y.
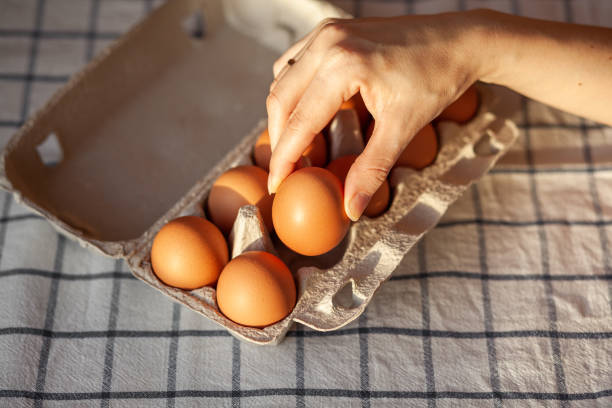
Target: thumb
{"type": "Point", "coordinates": [372, 166]}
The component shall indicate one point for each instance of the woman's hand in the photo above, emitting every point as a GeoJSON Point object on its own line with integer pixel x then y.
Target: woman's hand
{"type": "Point", "coordinates": [408, 69]}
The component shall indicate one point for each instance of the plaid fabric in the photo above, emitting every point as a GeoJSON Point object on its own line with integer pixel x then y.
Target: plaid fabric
{"type": "Point", "coordinates": [508, 302]}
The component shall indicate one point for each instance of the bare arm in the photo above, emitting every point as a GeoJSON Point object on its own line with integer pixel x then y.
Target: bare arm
{"type": "Point", "coordinates": [568, 66]}
{"type": "Point", "coordinates": [408, 69]}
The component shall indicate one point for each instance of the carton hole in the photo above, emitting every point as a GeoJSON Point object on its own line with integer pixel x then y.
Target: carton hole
{"type": "Point", "coordinates": [194, 25]}
{"type": "Point", "coordinates": [418, 220]}
{"type": "Point", "coordinates": [466, 170]}
{"type": "Point", "coordinates": [346, 297]}
{"type": "Point", "coordinates": [484, 146]}
{"type": "Point", "coordinates": [50, 150]}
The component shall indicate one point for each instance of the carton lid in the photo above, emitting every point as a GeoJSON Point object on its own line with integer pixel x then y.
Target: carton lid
{"type": "Point", "coordinates": [151, 115]}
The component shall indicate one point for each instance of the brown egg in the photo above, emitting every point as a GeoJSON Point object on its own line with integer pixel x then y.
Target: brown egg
{"type": "Point", "coordinates": [316, 152]}
{"type": "Point", "coordinates": [188, 252]}
{"type": "Point", "coordinates": [256, 289]}
{"type": "Point", "coordinates": [420, 152]}
{"type": "Point", "coordinates": [464, 108]}
{"type": "Point", "coordinates": [422, 149]}
{"type": "Point", "coordinates": [308, 211]}
{"type": "Point", "coordinates": [380, 200]}
{"type": "Point", "coordinates": [235, 188]}
{"type": "Point", "coordinates": [262, 151]}
{"type": "Point", "coordinates": [356, 102]}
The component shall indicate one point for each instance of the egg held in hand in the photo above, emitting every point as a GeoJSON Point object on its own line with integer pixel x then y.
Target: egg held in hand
{"type": "Point", "coordinates": [420, 152]}
{"type": "Point", "coordinates": [316, 152]}
{"type": "Point", "coordinates": [379, 201]}
{"type": "Point", "coordinates": [464, 108]}
{"type": "Point", "coordinates": [256, 289]}
{"type": "Point", "coordinates": [242, 185]}
{"type": "Point", "coordinates": [308, 211]}
{"type": "Point", "coordinates": [188, 253]}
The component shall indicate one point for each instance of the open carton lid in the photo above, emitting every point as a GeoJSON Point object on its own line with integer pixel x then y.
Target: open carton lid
{"type": "Point", "coordinates": [132, 134]}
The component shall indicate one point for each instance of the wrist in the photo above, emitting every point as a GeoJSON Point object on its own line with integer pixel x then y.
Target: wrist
{"type": "Point", "coordinates": [485, 45]}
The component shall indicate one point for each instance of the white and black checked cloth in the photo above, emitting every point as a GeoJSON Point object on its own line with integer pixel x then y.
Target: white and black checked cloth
{"type": "Point", "coordinates": [506, 303]}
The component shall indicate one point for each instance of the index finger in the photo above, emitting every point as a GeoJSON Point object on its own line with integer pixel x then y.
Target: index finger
{"type": "Point", "coordinates": [319, 103]}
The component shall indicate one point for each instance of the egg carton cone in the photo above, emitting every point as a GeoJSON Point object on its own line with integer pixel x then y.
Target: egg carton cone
{"type": "Point", "coordinates": [142, 133]}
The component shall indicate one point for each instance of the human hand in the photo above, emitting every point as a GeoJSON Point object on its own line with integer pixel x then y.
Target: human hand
{"type": "Point", "coordinates": [407, 69]}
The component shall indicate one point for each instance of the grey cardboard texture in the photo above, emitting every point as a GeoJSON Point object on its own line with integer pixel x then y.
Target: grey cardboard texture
{"type": "Point", "coordinates": [142, 129]}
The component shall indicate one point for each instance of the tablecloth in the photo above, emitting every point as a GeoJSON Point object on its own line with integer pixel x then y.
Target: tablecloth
{"type": "Point", "coordinates": [507, 302]}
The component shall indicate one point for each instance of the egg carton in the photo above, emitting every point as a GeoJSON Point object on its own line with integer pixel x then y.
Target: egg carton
{"type": "Point", "coordinates": [134, 140]}
{"type": "Point", "coordinates": [335, 288]}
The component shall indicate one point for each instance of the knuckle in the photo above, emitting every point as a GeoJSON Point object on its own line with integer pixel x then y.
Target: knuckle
{"type": "Point", "coordinates": [278, 64]}
{"type": "Point", "coordinates": [297, 121]}
{"type": "Point", "coordinates": [345, 57]}
{"type": "Point", "coordinates": [328, 20]}
{"type": "Point", "coordinates": [273, 102]}
{"type": "Point", "coordinates": [334, 28]}
{"type": "Point", "coordinates": [375, 169]}
{"type": "Point", "coordinates": [341, 53]}
{"type": "Point", "coordinates": [377, 174]}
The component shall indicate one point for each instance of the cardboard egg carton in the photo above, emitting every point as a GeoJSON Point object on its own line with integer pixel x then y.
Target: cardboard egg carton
{"type": "Point", "coordinates": [335, 288]}
{"type": "Point", "coordinates": [140, 131]}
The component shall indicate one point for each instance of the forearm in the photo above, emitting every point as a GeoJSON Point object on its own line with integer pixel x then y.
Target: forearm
{"type": "Point", "coordinates": [567, 66]}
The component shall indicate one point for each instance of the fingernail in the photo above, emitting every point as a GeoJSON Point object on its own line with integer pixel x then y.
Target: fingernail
{"type": "Point", "coordinates": [272, 184]}
{"type": "Point", "coordinates": [357, 205]}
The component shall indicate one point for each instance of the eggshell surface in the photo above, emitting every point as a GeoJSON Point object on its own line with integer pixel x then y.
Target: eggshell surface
{"type": "Point", "coordinates": [256, 289]}
{"type": "Point", "coordinates": [262, 150]}
{"type": "Point", "coordinates": [464, 108]}
{"type": "Point", "coordinates": [316, 151]}
{"type": "Point", "coordinates": [420, 152]}
{"type": "Point", "coordinates": [380, 200]}
{"type": "Point", "coordinates": [308, 211]}
{"type": "Point", "coordinates": [356, 102]}
{"type": "Point", "coordinates": [422, 149]}
{"type": "Point", "coordinates": [188, 252]}
{"type": "Point", "coordinates": [235, 188]}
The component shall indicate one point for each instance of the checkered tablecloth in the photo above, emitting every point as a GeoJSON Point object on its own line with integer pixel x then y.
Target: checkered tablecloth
{"type": "Point", "coordinates": [508, 302]}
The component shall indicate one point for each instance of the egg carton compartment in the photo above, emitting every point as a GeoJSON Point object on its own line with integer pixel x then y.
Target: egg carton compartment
{"type": "Point", "coordinates": [141, 128]}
